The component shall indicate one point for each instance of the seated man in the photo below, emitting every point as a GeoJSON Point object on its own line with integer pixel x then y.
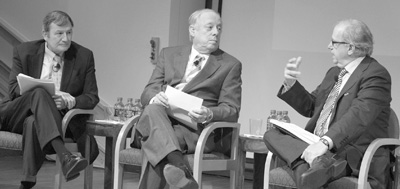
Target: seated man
{"type": "Point", "coordinates": [36, 114]}
{"type": "Point", "coordinates": [202, 70]}
{"type": "Point", "coordinates": [348, 110]}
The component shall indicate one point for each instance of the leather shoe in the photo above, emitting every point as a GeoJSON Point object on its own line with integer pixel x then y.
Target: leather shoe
{"type": "Point", "coordinates": [322, 169]}
{"type": "Point", "coordinates": [71, 165]}
{"type": "Point", "coordinates": [179, 176]}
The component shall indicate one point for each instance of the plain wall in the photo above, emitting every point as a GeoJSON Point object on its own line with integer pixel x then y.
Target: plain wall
{"type": "Point", "coordinates": [265, 34]}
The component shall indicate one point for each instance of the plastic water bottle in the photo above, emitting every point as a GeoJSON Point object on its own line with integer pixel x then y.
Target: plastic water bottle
{"type": "Point", "coordinates": [129, 108]}
{"type": "Point", "coordinates": [119, 112]}
{"type": "Point", "coordinates": [272, 115]}
{"type": "Point", "coordinates": [137, 107]}
{"type": "Point", "coordinates": [285, 117]}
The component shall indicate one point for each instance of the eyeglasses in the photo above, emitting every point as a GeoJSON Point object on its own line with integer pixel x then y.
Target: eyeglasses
{"type": "Point", "coordinates": [337, 43]}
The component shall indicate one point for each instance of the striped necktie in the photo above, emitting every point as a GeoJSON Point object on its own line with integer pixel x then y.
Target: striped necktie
{"type": "Point", "coordinates": [55, 75]}
{"type": "Point", "coordinates": [321, 127]}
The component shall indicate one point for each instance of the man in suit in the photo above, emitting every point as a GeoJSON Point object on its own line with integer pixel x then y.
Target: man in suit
{"type": "Point", "coordinates": [357, 115]}
{"type": "Point", "coordinates": [36, 114]}
{"type": "Point", "coordinates": [202, 70]}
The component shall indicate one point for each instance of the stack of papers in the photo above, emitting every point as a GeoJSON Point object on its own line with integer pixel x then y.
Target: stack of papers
{"type": "Point", "coordinates": [296, 131]}
{"type": "Point", "coordinates": [27, 83]}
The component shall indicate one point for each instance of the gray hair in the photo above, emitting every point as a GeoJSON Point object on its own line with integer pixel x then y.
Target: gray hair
{"type": "Point", "coordinates": [58, 17]}
{"type": "Point", "coordinates": [358, 34]}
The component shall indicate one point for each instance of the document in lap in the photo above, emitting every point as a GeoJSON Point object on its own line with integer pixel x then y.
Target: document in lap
{"type": "Point", "coordinates": [180, 104]}
{"type": "Point", "coordinates": [27, 83]}
{"type": "Point", "coordinates": [296, 131]}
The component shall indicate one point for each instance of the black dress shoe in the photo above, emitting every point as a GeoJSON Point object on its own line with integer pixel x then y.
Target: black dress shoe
{"type": "Point", "coordinates": [179, 176]}
{"type": "Point", "coordinates": [322, 169]}
{"type": "Point", "coordinates": [26, 185]}
{"type": "Point", "coordinates": [71, 165]}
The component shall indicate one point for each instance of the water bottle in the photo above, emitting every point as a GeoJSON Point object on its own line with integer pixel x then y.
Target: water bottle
{"type": "Point", "coordinates": [119, 110]}
{"type": "Point", "coordinates": [279, 116]}
{"type": "Point", "coordinates": [129, 108]}
{"type": "Point", "coordinates": [137, 107]}
{"type": "Point", "coordinates": [285, 117]}
{"type": "Point", "coordinates": [272, 115]}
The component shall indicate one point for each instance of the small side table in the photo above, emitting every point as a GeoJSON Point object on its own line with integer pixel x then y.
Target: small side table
{"type": "Point", "coordinates": [110, 131]}
{"type": "Point", "coordinates": [256, 145]}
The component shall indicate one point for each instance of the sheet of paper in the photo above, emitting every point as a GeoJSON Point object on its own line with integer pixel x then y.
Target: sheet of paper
{"type": "Point", "coordinates": [180, 104]}
{"type": "Point", "coordinates": [27, 83]}
{"type": "Point", "coordinates": [296, 131]}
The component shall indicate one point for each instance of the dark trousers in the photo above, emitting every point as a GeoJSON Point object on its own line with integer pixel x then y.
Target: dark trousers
{"type": "Point", "coordinates": [36, 117]}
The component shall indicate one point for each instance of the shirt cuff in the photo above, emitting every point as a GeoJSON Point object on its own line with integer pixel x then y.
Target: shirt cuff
{"type": "Point", "coordinates": [287, 84]}
{"type": "Point", "coordinates": [329, 141]}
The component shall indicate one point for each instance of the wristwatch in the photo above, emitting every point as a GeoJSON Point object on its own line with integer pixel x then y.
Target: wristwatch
{"type": "Point", "coordinates": [325, 142]}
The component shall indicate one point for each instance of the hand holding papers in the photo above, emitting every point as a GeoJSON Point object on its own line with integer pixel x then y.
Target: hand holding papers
{"type": "Point", "coordinates": [296, 131]}
{"type": "Point", "coordinates": [27, 83]}
{"type": "Point", "coordinates": [180, 104]}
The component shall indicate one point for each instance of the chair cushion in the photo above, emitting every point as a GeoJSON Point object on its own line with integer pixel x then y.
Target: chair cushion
{"type": "Point", "coordinates": [133, 156]}
{"type": "Point", "coordinates": [280, 177]}
{"type": "Point", "coordinates": [10, 141]}
{"type": "Point", "coordinates": [344, 183]}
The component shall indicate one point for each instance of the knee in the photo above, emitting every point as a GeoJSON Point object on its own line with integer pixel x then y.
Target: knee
{"type": "Point", "coordinates": [153, 108]}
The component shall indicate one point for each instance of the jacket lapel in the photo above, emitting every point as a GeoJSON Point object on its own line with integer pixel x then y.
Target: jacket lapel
{"type": "Point", "coordinates": [211, 66]}
{"type": "Point", "coordinates": [69, 63]}
{"type": "Point", "coordinates": [355, 75]}
{"type": "Point", "coordinates": [35, 68]}
{"type": "Point", "coordinates": [180, 63]}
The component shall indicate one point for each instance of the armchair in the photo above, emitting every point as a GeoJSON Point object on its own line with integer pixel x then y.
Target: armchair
{"type": "Point", "coordinates": [279, 177]}
{"type": "Point", "coordinates": [12, 144]}
{"type": "Point", "coordinates": [199, 161]}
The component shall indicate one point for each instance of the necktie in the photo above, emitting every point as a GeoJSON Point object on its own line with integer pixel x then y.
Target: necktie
{"type": "Point", "coordinates": [329, 105]}
{"type": "Point", "coordinates": [196, 68]}
{"type": "Point", "coordinates": [55, 75]}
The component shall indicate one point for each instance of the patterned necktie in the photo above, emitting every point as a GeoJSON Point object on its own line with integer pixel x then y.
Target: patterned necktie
{"type": "Point", "coordinates": [196, 69]}
{"type": "Point", "coordinates": [329, 105]}
{"type": "Point", "coordinates": [55, 76]}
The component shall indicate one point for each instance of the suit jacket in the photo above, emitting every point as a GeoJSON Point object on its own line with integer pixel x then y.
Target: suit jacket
{"type": "Point", "coordinates": [218, 83]}
{"type": "Point", "coordinates": [78, 78]}
{"type": "Point", "coordinates": [361, 112]}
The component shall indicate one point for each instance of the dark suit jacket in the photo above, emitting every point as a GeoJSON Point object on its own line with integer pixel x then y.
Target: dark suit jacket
{"type": "Point", "coordinates": [78, 78]}
{"type": "Point", "coordinates": [361, 111]}
{"type": "Point", "coordinates": [218, 84]}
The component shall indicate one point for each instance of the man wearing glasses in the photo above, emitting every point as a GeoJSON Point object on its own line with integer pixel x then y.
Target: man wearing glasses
{"type": "Point", "coordinates": [348, 110]}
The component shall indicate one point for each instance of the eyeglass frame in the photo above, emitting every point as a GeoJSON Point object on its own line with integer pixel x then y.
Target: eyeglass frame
{"type": "Point", "coordinates": [338, 42]}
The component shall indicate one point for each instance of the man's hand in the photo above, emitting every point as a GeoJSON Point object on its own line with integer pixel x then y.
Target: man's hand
{"type": "Point", "coordinates": [161, 98]}
{"type": "Point", "coordinates": [292, 72]}
{"type": "Point", "coordinates": [313, 151]}
{"type": "Point", "coordinates": [200, 115]}
{"type": "Point", "coordinates": [64, 100]}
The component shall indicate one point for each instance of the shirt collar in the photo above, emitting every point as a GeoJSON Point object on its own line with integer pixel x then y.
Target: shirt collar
{"type": "Point", "coordinates": [194, 53]}
{"type": "Point", "coordinates": [353, 65]}
{"type": "Point", "coordinates": [50, 53]}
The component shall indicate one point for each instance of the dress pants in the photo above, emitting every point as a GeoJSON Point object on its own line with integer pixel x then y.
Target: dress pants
{"type": "Point", "coordinates": [290, 149]}
{"type": "Point", "coordinates": [36, 117]}
{"type": "Point", "coordinates": [162, 135]}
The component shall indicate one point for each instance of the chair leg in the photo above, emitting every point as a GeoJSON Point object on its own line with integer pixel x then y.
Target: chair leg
{"type": "Point", "coordinates": [58, 176]}
{"type": "Point", "coordinates": [119, 178]}
{"type": "Point", "coordinates": [88, 178]}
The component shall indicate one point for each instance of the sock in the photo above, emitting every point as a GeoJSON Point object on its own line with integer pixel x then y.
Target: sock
{"type": "Point", "coordinates": [59, 147]}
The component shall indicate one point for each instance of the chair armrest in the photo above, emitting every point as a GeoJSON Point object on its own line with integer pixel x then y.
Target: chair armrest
{"type": "Point", "coordinates": [369, 153]}
{"type": "Point", "coordinates": [267, 168]}
{"type": "Point", "coordinates": [198, 155]}
{"type": "Point", "coordinates": [70, 114]}
{"type": "Point", "coordinates": [120, 143]}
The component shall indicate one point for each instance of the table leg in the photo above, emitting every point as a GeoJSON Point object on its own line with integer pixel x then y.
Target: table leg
{"type": "Point", "coordinates": [108, 182]}
{"type": "Point", "coordinates": [88, 178]}
{"type": "Point", "coordinates": [258, 167]}
{"type": "Point", "coordinates": [242, 165]}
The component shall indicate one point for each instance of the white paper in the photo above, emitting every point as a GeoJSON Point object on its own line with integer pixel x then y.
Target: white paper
{"type": "Point", "coordinates": [27, 83]}
{"type": "Point", "coordinates": [180, 104]}
{"type": "Point", "coordinates": [296, 131]}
